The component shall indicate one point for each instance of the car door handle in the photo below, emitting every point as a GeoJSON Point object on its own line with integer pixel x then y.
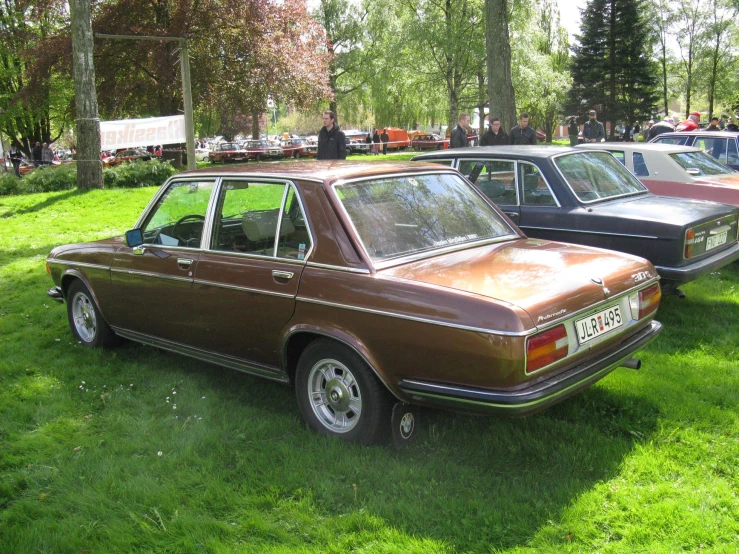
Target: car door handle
{"type": "Point", "coordinates": [512, 214]}
{"type": "Point", "coordinates": [285, 275]}
{"type": "Point", "coordinates": [184, 263]}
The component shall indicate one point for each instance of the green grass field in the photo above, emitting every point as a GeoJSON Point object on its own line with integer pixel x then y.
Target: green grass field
{"type": "Point", "coordinates": [139, 450]}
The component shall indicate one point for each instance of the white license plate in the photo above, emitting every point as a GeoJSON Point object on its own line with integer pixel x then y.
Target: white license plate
{"type": "Point", "coordinates": [598, 324]}
{"type": "Point", "coordinates": [716, 240]}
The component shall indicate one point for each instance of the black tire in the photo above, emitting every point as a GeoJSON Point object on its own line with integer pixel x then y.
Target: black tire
{"type": "Point", "coordinates": [87, 323]}
{"type": "Point", "coordinates": [297, 154]}
{"type": "Point", "coordinates": [353, 391]}
{"type": "Point", "coordinates": [206, 159]}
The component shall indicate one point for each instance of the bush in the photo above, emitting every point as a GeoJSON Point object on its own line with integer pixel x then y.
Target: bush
{"type": "Point", "coordinates": [64, 177]}
{"type": "Point", "coordinates": [50, 178]}
{"type": "Point", "coordinates": [137, 174]}
{"type": "Point", "coordinates": [9, 184]}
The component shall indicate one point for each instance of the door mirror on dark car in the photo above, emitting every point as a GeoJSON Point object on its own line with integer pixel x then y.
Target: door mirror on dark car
{"type": "Point", "coordinates": [134, 237]}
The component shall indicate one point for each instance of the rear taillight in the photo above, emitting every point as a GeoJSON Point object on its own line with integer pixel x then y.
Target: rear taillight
{"type": "Point", "coordinates": [649, 300]}
{"type": "Point", "coordinates": [546, 348]}
{"type": "Point", "coordinates": [689, 241]}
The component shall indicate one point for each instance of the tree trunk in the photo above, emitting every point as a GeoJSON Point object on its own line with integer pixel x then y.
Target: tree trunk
{"type": "Point", "coordinates": [89, 164]}
{"type": "Point", "coordinates": [498, 49]}
{"type": "Point", "coordinates": [255, 130]}
{"type": "Point", "coordinates": [481, 99]}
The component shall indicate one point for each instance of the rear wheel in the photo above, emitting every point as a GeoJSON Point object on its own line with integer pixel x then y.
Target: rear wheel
{"type": "Point", "coordinates": [339, 395]}
{"type": "Point", "coordinates": [85, 319]}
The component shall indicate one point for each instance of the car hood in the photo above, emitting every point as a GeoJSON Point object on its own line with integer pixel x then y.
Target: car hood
{"type": "Point", "coordinates": [727, 180]}
{"type": "Point", "coordinates": [661, 209]}
{"type": "Point", "coordinates": [547, 279]}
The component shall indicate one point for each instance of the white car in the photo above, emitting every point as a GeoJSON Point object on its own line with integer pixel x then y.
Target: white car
{"type": "Point", "coordinates": [202, 154]}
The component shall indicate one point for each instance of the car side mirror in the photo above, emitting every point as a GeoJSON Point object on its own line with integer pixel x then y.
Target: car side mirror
{"type": "Point", "coordinates": [134, 237]}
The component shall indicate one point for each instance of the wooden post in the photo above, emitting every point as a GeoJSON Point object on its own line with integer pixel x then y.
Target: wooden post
{"type": "Point", "coordinates": [89, 164]}
{"type": "Point", "coordinates": [187, 97]}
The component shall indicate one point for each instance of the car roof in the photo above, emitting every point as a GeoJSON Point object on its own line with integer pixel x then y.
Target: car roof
{"type": "Point", "coordinates": [321, 170]}
{"type": "Point", "coordinates": [699, 133]}
{"type": "Point", "coordinates": [639, 146]}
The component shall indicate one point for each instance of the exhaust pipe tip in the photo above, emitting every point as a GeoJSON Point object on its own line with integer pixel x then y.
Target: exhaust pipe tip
{"type": "Point", "coordinates": [680, 293]}
{"type": "Point", "coordinates": [631, 363]}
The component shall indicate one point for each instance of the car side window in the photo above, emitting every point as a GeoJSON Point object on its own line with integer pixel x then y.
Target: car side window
{"type": "Point", "coordinates": [495, 178]}
{"type": "Point", "coordinates": [246, 217]}
{"type": "Point", "coordinates": [732, 156]}
{"type": "Point", "coordinates": [715, 147]}
{"type": "Point", "coordinates": [178, 216]}
{"type": "Point", "coordinates": [619, 156]}
{"type": "Point", "coordinates": [534, 186]}
{"type": "Point", "coordinates": [673, 140]}
{"type": "Point", "coordinates": [640, 165]}
{"type": "Point", "coordinates": [294, 241]}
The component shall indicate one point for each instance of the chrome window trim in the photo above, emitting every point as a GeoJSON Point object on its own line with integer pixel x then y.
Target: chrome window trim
{"type": "Point", "coordinates": [577, 198]}
{"type": "Point", "coordinates": [241, 289]}
{"type": "Point", "coordinates": [427, 253]}
{"type": "Point", "coordinates": [279, 220]}
{"type": "Point", "coordinates": [546, 181]}
{"type": "Point", "coordinates": [339, 268]}
{"type": "Point", "coordinates": [151, 274]}
{"type": "Point", "coordinates": [590, 232]}
{"type": "Point", "coordinates": [515, 174]}
{"type": "Point", "coordinates": [253, 256]}
{"type": "Point", "coordinates": [267, 181]}
{"type": "Point", "coordinates": [417, 319]}
{"type": "Point", "coordinates": [77, 264]}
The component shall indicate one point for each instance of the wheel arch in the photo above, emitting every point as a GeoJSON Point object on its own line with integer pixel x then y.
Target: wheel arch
{"type": "Point", "coordinates": [296, 340]}
{"type": "Point", "coordinates": [72, 275]}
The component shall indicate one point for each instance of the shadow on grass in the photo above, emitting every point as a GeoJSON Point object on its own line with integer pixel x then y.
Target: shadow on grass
{"type": "Point", "coordinates": [474, 482]}
{"type": "Point", "coordinates": [46, 203]}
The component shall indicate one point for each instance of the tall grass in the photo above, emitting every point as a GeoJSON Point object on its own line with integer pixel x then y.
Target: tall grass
{"type": "Point", "coordinates": [139, 450]}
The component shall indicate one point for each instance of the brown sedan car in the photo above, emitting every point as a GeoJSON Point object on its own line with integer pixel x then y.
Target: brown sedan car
{"type": "Point", "coordinates": [371, 289]}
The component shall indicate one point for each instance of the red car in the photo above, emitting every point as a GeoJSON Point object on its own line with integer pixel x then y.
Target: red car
{"type": "Point", "coordinates": [262, 149]}
{"type": "Point", "coordinates": [129, 155]}
{"type": "Point", "coordinates": [228, 152]}
{"type": "Point", "coordinates": [429, 142]}
{"type": "Point", "coordinates": [298, 148]}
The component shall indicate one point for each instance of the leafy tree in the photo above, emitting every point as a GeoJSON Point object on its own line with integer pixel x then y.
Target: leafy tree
{"type": "Point", "coordinates": [691, 38]}
{"type": "Point", "coordinates": [541, 65]}
{"type": "Point", "coordinates": [498, 49]}
{"type": "Point", "coordinates": [719, 59]}
{"type": "Point", "coordinates": [612, 68]}
{"type": "Point", "coordinates": [36, 94]}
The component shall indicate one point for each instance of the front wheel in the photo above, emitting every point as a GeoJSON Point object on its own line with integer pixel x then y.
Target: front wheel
{"type": "Point", "coordinates": [338, 394]}
{"type": "Point", "coordinates": [85, 319]}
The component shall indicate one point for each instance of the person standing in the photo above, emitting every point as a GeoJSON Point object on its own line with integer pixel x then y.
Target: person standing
{"type": "Point", "coordinates": [16, 156]}
{"type": "Point", "coordinates": [331, 139]}
{"type": "Point", "coordinates": [385, 139]}
{"type": "Point", "coordinates": [376, 143]}
{"type": "Point", "coordinates": [458, 137]}
{"type": "Point", "coordinates": [714, 126]}
{"type": "Point", "coordinates": [731, 126]}
{"type": "Point", "coordinates": [522, 133]}
{"type": "Point", "coordinates": [36, 155]}
{"type": "Point", "coordinates": [664, 126]}
{"type": "Point", "coordinates": [573, 129]}
{"type": "Point", "coordinates": [690, 124]}
{"type": "Point", "coordinates": [47, 156]}
{"type": "Point", "coordinates": [593, 130]}
{"type": "Point", "coordinates": [494, 136]}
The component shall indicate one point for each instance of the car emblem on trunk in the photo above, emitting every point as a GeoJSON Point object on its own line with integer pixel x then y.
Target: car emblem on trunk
{"type": "Point", "coordinates": [599, 281]}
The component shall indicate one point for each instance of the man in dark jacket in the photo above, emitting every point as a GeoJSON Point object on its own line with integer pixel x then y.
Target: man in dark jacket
{"type": "Point", "coordinates": [573, 129]}
{"type": "Point", "coordinates": [458, 137]}
{"type": "Point", "coordinates": [385, 139]}
{"type": "Point", "coordinates": [494, 136]}
{"type": "Point", "coordinates": [331, 139]}
{"type": "Point", "coordinates": [664, 126]}
{"type": "Point", "coordinates": [376, 143]}
{"type": "Point", "coordinates": [522, 133]}
{"type": "Point", "coordinates": [36, 154]}
{"type": "Point", "coordinates": [593, 130]}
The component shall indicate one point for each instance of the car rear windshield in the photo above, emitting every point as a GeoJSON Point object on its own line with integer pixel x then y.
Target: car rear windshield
{"type": "Point", "coordinates": [700, 161]}
{"type": "Point", "coordinates": [594, 176]}
{"type": "Point", "coordinates": [406, 215]}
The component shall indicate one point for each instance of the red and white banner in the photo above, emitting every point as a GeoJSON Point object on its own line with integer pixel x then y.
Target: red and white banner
{"type": "Point", "coordinates": [151, 131]}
